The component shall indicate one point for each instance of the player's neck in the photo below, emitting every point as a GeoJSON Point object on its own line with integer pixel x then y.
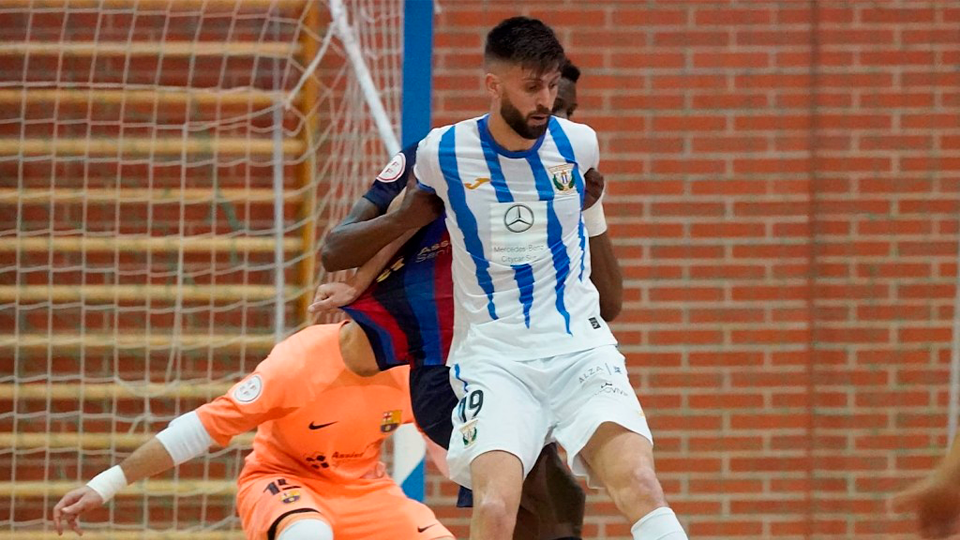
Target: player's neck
{"type": "Point", "coordinates": [505, 136]}
{"type": "Point", "coordinates": [357, 353]}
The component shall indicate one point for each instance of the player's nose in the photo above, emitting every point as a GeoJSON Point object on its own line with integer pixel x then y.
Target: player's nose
{"type": "Point", "coordinates": [545, 98]}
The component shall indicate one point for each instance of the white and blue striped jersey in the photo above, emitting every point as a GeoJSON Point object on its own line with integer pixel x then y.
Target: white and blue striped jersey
{"type": "Point", "coordinates": [521, 263]}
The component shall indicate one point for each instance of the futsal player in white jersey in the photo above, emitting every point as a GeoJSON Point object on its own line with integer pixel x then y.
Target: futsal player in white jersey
{"type": "Point", "coordinates": [532, 361]}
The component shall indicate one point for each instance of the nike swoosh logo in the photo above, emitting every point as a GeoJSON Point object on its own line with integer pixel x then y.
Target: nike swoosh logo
{"type": "Point", "coordinates": [321, 426]}
{"type": "Point", "coordinates": [479, 182]}
{"type": "Point", "coordinates": [421, 529]}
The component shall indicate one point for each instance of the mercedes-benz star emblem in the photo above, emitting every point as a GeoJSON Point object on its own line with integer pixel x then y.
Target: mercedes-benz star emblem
{"type": "Point", "coordinates": [519, 218]}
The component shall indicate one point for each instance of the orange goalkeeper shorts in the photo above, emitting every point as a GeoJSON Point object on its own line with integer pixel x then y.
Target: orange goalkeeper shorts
{"type": "Point", "coordinates": [375, 509]}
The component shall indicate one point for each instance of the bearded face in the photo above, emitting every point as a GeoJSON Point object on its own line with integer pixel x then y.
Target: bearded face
{"type": "Point", "coordinates": [531, 125]}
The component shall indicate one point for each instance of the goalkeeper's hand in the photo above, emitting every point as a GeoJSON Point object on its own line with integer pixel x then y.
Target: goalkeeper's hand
{"type": "Point", "coordinates": [72, 505]}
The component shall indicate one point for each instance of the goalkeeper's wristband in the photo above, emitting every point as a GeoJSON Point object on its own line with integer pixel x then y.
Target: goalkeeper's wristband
{"type": "Point", "coordinates": [594, 220]}
{"type": "Point", "coordinates": [108, 483]}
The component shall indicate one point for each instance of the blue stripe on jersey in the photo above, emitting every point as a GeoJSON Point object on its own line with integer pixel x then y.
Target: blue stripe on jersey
{"type": "Point", "coordinates": [566, 150]}
{"type": "Point", "coordinates": [497, 180]}
{"type": "Point", "coordinates": [418, 286]}
{"type": "Point", "coordinates": [456, 373]}
{"type": "Point", "coordinates": [583, 249]}
{"type": "Point", "coordinates": [465, 218]}
{"type": "Point", "coordinates": [561, 261]}
{"type": "Point", "coordinates": [523, 274]}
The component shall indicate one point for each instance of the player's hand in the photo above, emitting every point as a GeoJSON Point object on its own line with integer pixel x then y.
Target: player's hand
{"type": "Point", "coordinates": [330, 296]}
{"type": "Point", "coordinates": [419, 207]}
{"type": "Point", "coordinates": [936, 503]}
{"type": "Point", "coordinates": [593, 182]}
{"type": "Point", "coordinates": [72, 505]}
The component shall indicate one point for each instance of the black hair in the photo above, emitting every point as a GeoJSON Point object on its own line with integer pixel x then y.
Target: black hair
{"type": "Point", "coordinates": [569, 71]}
{"type": "Point", "coordinates": [525, 41]}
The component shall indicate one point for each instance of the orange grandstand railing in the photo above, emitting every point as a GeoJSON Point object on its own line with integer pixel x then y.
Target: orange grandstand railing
{"type": "Point", "coordinates": [307, 168]}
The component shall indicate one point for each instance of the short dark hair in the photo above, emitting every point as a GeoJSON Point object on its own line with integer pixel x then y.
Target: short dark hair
{"type": "Point", "coordinates": [525, 41]}
{"type": "Point", "coordinates": [569, 71]}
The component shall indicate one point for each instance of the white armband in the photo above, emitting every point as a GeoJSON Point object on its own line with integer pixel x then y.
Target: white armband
{"type": "Point", "coordinates": [108, 483]}
{"type": "Point", "coordinates": [594, 220]}
{"type": "Point", "coordinates": [185, 438]}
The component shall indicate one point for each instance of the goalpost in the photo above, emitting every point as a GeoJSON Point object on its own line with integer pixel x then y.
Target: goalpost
{"type": "Point", "coordinates": [167, 168]}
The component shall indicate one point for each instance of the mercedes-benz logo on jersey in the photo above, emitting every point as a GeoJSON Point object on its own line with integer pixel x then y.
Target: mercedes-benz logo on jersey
{"type": "Point", "coordinates": [519, 218]}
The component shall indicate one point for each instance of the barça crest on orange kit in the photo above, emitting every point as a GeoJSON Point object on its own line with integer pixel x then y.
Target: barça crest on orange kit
{"type": "Point", "coordinates": [391, 420]}
{"type": "Point", "coordinates": [291, 496]}
{"type": "Point", "coordinates": [562, 177]}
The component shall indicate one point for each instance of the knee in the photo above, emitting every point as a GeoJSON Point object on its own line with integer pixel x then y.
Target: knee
{"type": "Point", "coordinates": [641, 483]}
{"type": "Point", "coordinates": [492, 506]}
{"type": "Point", "coordinates": [306, 529]}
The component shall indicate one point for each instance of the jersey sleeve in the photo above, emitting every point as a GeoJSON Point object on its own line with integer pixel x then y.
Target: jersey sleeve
{"type": "Point", "coordinates": [427, 167]}
{"type": "Point", "coordinates": [592, 153]}
{"type": "Point", "coordinates": [278, 386]}
{"type": "Point", "coordinates": [392, 179]}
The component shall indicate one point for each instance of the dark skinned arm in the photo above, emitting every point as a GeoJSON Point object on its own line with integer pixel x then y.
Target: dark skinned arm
{"type": "Point", "coordinates": [364, 232]}
{"type": "Point", "coordinates": [606, 277]}
{"type": "Point", "coordinates": [605, 272]}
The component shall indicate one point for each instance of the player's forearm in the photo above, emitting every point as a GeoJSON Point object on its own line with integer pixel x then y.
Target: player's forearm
{"type": "Point", "coordinates": [183, 439]}
{"type": "Point", "coordinates": [150, 459]}
{"type": "Point", "coordinates": [606, 276]}
{"type": "Point", "coordinates": [372, 268]}
{"type": "Point", "coordinates": [353, 244]}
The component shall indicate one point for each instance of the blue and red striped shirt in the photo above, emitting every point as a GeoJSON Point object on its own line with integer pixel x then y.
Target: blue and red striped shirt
{"type": "Point", "coordinates": [407, 313]}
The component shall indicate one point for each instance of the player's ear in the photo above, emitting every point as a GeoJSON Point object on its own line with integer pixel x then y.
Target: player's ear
{"type": "Point", "coordinates": [493, 85]}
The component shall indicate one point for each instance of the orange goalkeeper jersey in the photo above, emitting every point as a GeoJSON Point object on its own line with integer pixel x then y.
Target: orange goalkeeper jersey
{"type": "Point", "coordinates": [315, 418]}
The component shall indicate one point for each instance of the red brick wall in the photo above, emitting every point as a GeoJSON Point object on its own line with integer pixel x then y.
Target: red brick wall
{"type": "Point", "coordinates": [784, 188]}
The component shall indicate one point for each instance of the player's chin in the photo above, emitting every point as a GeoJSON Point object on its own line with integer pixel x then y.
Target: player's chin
{"type": "Point", "coordinates": [536, 130]}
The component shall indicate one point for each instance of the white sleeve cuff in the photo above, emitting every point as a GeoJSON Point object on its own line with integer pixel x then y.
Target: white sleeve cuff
{"type": "Point", "coordinates": [185, 438]}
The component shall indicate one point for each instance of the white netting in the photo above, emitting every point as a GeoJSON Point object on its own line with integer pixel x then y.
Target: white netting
{"type": "Point", "coordinates": [144, 149]}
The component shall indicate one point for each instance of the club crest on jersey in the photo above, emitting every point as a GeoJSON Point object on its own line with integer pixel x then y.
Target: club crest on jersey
{"type": "Point", "coordinates": [562, 177]}
{"type": "Point", "coordinates": [291, 496]}
{"type": "Point", "coordinates": [469, 432]}
{"type": "Point", "coordinates": [391, 420]}
{"type": "Point", "coordinates": [394, 169]}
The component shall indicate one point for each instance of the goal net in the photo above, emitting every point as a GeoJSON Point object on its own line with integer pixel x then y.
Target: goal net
{"type": "Point", "coordinates": [166, 170]}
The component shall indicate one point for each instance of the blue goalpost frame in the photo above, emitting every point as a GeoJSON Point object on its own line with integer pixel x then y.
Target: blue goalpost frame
{"type": "Point", "coordinates": [415, 124]}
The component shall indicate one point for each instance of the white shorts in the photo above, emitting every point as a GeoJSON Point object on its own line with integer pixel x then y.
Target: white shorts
{"type": "Point", "coordinates": [519, 406]}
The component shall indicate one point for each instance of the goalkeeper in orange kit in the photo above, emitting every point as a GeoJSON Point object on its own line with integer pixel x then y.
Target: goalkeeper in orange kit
{"type": "Point", "coordinates": [315, 471]}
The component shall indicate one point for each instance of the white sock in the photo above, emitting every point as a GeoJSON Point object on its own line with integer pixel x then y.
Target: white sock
{"type": "Point", "coordinates": [306, 529]}
{"type": "Point", "coordinates": [661, 524]}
